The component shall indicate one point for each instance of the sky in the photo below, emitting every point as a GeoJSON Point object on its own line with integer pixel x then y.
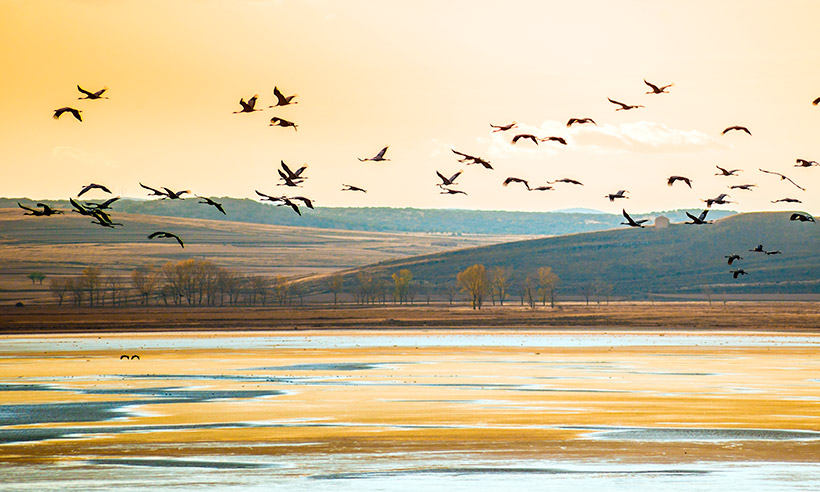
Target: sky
{"type": "Point", "coordinates": [422, 77]}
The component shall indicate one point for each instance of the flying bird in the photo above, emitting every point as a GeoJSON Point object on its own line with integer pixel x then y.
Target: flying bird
{"type": "Point", "coordinates": [775, 252]}
{"type": "Point", "coordinates": [619, 194]}
{"type": "Point", "coordinates": [623, 107]}
{"type": "Point", "coordinates": [248, 107]}
{"type": "Point", "coordinates": [672, 180]}
{"type": "Point", "coordinates": [516, 180]}
{"type": "Point", "coordinates": [657, 89]}
{"type": "Point", "coordinates": [281, 100]}
{"type": "Point", "coordinates": [737, 128]}
{"type": "Point", "coordinates": [307, 201]}
{"type": "Point", "coordinates": [733, 258]}
{"type": "Point", "coordinates": [45, 212]}
{"type": "Point", "coordinates": [802, 217]}
{"type": "Point", "coordinates": [73, 111]}
{"type": "Point", "coordinates": [560, 140]}
{"type": "Point", "coordinates": [447, 181]}
{"type": "Point", "coordinates": [525, 136]}
{"type": "Point", "coordinates": [163, 234]}
{"type": "Point", "coordinates": [276, 121]}
{"type": "Point", "coordinates": [787, 200]}
{"type": "Point", "coordinates": [630, 222]}
{"type": "Point", "coordinates": [566, 180]}
{"type": "Point", "coordinates": [541, 188]}
{"type": "Point", "coordinates": [291, 178]}
{"type": "Point", "coordinates": [503, 128]}
{"type": "Point", "coordinates": [747, 187]}
{"type": "Point", "coordinates": [450, 191]}
{"type": "Point", "coordinates": [154, 191]}
{"type": "Point", "coordinates": [92, 186]}
{"type": "Point", "coordinates": [700, 219]}
{"type": "Point", "coordinates": [92, 95]}
{"type": "Point", "coordinates": [816, 101]}
{"type": "Point", "coordinates": [580, 121]}
{"type": "Point", "coordinates": [736, 273]}
{"type": "Point", "coordinates": [805, 163]}
{"type": "Point", "coordinates": [104, 205]}
{"type": "Point", "coordinates": [208, 201]}
{"type": "Point", "coordinates": [782, 177]}
{"type": "Point", "coordinates": [353, 188]}
{"type": "Point", "coordinates": [726, 172]}
{"type": "Point", "coordinates": [378, 157]}
{"type": "Point", "coordinates": [471, 159]}
{"type": "Point", "coordinates": [758, 249]}
{"type": "Point", "coordinates": [720, 200]}
{"type": "Point", "coordinates": [103, 219]}
{"type": "Point", "coordinates": [288, 181]}
{"type": "Point", "coordinates": [175, 195]}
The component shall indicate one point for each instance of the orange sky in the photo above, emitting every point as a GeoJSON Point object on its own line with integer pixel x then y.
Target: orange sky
{"type": "Point", "coordinates": [422, 77]}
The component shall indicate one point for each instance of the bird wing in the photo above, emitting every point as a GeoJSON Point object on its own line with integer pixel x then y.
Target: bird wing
{"type": "Point", "coordinates": [443, 179]}
{"type": "Point", "coordinates": [287, 170]}
{"type": "Point", "coordinates": [282, 100]}
{"type": "Point", "coordinates": [454, 177]}
{"type": "Point", "coordinates": [702, 216]}
{"type": "Point", "coordinates": [622, 105]}
{"type": "Point", "coordinates": [87, 93]}
{"type": "Point", "coordinates": [654, 87]}
{"type": "Point", "coordinates": [156, 191]}
{"type": "Point", "coordinates": [627, 217]}
{"type": "Point", "coordinates": [792, 182]}
{"type": "Point", "coordinates": [381, 153]}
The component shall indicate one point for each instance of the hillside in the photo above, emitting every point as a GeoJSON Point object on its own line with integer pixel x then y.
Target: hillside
{"type": "Point", "coordinates": [383, 219]}
{"type": "Point", "coordinates": [631, 263]}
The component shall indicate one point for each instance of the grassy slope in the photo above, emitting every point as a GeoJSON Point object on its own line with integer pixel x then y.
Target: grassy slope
{"type": "Point", "coordinates": [680, 259]}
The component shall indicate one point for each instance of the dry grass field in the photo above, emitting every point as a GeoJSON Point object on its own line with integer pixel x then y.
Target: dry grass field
{"type": "Point", "coordinates": [64, 245]}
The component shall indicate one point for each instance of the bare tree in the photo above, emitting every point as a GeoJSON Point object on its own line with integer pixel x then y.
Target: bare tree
{"type": "Point", "coordinates": [548, 282]}
{"type": "Point", "coordinates": [335, 283]}
{"type": "Point", "coordinates": [59, 287]}
{"type": "Point", "coordinates": [145, 279]}
{"type": "Point", "coordinates": [91, 281]}
{"type": "Point", "coordinates": [116, 287]}
{"type": "Point", "coordinates": [500, 283]}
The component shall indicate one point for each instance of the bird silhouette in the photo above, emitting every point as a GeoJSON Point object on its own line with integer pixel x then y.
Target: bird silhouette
{"type": "Point", "coordinates": [104, 205]}
{"type": "Point", "coordinates": [580, 121]}
{"type": "Point", "coordinates": [45, 212]}
{"type": "Point", "coordinates": [802, 217]}
{"type": "Point", "coordinates": [758, 249]}
{"type": "Point", "coordinates": [208, 201]}
{"type": "Point", "coordinates": [124, 357]}
{"type": "Point", "coordinates": [503, 128]}
{"type": "Point", "coordinates": [471, 159]}
{"type": "Point", "coordinates": [248, 107]}
{"type": "Point", "coordinates": [657, 89]}
{"type": "Point", "coordinates": [738, 272]}
{"type": "Point", "coordinates": [700, 219]}
{"type": "Point", "coordinates": [631, 222]}
{"type": "Point", "coordinates": [736, 128]}
{"type": "Point", "coordinates": [73, 111]}
{"type": "Point", "coordinates": [291, 178]}
{"type": "Point", "coordinates": [805, 163]}
{"type": "Point", "coordinates": [154, 191]}
{"type": "Point", "coordinates": [92, 95]}
{"type": "Point", "coordinates": [163, 234]}
{"type": "Point", "coordinates": [732, 258]}
{"type": "Point", "coordinates": [726, 172]}
{"type": "Point", "coordinates": [174, 195]}
{"type": "Point", "coordinates": [378, 157]}
{"type": "Point", "coordinates": [135, 356]}
{"type": "Point", "coordinates": [518, 137]}
{"type": "Point", "coordinates": [746, 187]}
{"type": "Point", "coordinates": [623, 107]}
{"type": "Point", "coordinates": [92, 186]}
{"type": "Point", "coordinates": [560, 140]}
{"type": "Point", "coordinates": [619, 194]}
{"type": "Point", "coordinates": [276, 121]}
{"type": "Point", "coordinates": [448, 181]}
{"type": "Point", "coordinates": [103, 219]}
{"type": "Point", "coordinates": [288, 181]}
{"type": "Point", "coordinates": [816, 101]}
{"type": "Point", "coordinates": [782, 177]}
{"type": "Point", "coordinates": [720, 200]}
{"type": "Point", "coordinates": [672, 180]}
{"type": "Point", "coordinates": [775, 252]}
{"type": "Point", "coordinates": [787, 200]}
{"type": "Point", "coordinates": [353, 188]}
{"type": "Point", "coordinates": [516, 180]}
{"type": "Point", "coordinates": [281, 100]}
{"type": "Point", "coordinates": [566, 180]}
{"type": "Point", "coordinates": [450, 191]}
{"type": "Point", "coordinates": [541, 188]}
{"type": "Point", "coordinates": [308, 202]}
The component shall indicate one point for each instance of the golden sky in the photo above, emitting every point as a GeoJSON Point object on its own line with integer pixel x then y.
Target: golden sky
{"type": "Point", "coordinates": [422, 77]}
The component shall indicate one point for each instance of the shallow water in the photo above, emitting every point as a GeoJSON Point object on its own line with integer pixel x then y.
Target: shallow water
{"type": "Point", "coordinates": [411, 411]}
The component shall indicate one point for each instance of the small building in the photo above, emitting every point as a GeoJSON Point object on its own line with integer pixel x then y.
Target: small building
{"type": "Point", "coordinates": [661, 222]}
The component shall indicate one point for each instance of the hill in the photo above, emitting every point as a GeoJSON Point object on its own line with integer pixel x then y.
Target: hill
{"type": "Point", "coordinates": [383, 219]}
{"type": "Point", "coordinates": [632, 263]}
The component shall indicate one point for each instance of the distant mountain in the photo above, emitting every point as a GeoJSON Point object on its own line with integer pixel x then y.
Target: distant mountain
{"type": "Point", "coordinates": [632, 263]}
{"type": "Point", "coordinates": [384, 219]}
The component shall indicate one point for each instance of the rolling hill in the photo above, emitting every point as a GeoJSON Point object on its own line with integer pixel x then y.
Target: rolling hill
{"type": "Point", "coordinates": [632, 263]}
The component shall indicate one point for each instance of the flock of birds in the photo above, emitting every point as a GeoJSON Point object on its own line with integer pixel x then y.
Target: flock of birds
{"type": "Point", "coordinates": [293, 179]}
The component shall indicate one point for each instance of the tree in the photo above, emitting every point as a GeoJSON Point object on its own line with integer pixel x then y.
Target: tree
{"type": "Point", "coordinates": [59, 287]}
{"type": "Point", "coordinates": [451, 289]}
{"type": "Point", "coordinates": [473, 281]}
{"type": "Point", "coordinates": [401, 281]}
{"type": "Point", "coordinates": [144, 279]}
{"type": "Point", "coordinates": [116, 286]}
{"type": "Point", "coordinates": [335, 283]}
{"type": "Point", "coordinates": [500, 283]}
{"type": "Point", "coordinates": [36, 276]}
{"type": "Point", "coordinates": [91, 281]}
{"type": "Point", "coordinates": [364, 288]}
{"type": "Point", "coordinates": [548, 282]}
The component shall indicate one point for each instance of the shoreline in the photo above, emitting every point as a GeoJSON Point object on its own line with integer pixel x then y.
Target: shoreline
{"type": "Point", "coordinates": [758, 317]}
